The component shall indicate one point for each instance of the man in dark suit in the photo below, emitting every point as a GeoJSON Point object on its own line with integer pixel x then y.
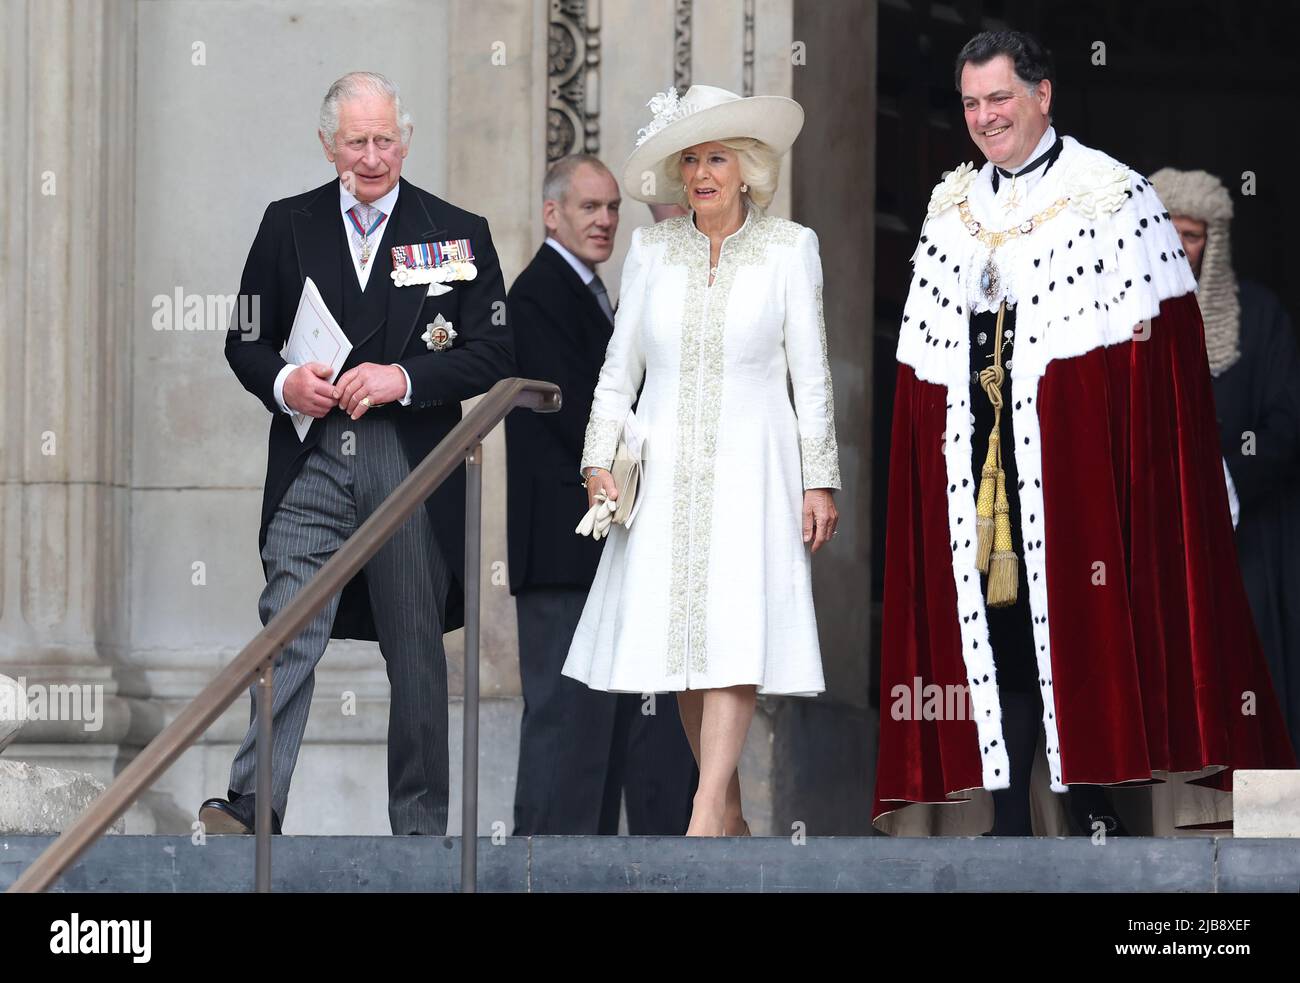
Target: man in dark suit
{"type": "Point", "coordinates": [418, 350]}
{"type": "Point", "coordinates": [580, 750]}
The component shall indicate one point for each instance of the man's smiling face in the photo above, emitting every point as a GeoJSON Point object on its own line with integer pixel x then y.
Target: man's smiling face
{"type": "Point", "coordinates": [1004, 117]}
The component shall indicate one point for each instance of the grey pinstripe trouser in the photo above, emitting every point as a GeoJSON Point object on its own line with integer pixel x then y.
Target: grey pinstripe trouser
{"type": "Point", "coordinates": [343, 480]}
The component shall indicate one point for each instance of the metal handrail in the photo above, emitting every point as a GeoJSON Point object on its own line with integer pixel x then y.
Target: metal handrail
{"type": "Point", "coordinates": [256, 660]}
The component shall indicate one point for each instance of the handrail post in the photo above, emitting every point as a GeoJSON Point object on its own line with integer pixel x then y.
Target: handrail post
{"type": "Point", "coordinates": [469, 744]}
{"type": "Point", "coordinates": [265, 707]}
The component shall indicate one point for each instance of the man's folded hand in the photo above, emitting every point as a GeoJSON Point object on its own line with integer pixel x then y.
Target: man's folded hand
{"type": "Point", "coordinates": [308, 390]}
{"type": "Point", "coordinates": [379, 384]}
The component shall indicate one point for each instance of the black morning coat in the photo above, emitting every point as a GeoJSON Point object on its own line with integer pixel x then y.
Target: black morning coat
{"type": "Point", "coordinates": [560, 336]}
{"type": "Point", "coordinates": [303, 237]}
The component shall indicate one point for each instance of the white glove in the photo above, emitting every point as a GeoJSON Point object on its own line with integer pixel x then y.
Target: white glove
{"type": "Point", "coordinates": [598, 519]}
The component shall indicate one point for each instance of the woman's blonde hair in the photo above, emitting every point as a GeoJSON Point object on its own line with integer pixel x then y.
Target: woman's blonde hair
{"type": "Point", "coordinates": [760, 168]}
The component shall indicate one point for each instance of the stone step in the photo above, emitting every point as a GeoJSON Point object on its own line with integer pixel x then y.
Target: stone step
{"type": "Point", "coordinates": [629, 864]}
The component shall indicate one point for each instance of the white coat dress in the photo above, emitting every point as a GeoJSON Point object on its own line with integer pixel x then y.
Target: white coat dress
{"type": "Point", "coordinates": [711, 586]}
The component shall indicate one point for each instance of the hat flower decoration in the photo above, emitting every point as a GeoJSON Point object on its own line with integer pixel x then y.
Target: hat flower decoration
{"type": "Point", "coordinates": [667, 107]}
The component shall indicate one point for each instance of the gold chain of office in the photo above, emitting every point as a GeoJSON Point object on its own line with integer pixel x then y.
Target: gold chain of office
{"type": "Point", "coordinates": [994, 239]}
{"type": "Point", "coordinates": [990, 281]}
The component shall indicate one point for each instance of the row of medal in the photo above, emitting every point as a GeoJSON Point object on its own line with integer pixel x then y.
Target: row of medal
{"type": "Point", "coordinates": [433, 262]}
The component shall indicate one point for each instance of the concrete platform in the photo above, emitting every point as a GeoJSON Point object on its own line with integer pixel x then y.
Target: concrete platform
{"type": "Point", "coordinates": [557, 864]}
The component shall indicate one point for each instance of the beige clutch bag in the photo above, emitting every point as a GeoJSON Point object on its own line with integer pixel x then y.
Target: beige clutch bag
{"type": "Point", "coordinates": [626, 472]}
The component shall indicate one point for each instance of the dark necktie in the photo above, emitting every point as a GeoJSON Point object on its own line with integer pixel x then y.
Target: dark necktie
{"type": "Point", "coordinates": [602, 297]}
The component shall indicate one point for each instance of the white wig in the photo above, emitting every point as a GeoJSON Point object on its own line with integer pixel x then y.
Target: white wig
{"type": "Point", "coordinates": [1202, 196]}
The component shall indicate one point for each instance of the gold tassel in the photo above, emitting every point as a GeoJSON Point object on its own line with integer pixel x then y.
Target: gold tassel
{"type": "Point", "coordinates": [984, 505]}
{"type": "Point", "coordinates": [1004, 571]}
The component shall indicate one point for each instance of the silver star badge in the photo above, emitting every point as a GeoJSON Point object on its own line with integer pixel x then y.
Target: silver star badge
{"type": "Point", "coordinates": [439, 334]}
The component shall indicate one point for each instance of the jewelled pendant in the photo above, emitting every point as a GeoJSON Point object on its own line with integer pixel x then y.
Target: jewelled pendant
{"type": "Point", "coordinates": [990, 280]}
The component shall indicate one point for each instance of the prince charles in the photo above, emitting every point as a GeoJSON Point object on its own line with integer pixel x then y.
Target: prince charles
{"type": "Point", "coordinates": [422, 341]}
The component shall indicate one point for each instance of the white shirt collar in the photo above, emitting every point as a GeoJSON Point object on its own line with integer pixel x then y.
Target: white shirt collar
{"type": "Point", "coordinates": [1027, 183]}
{"type": "Point", "coordinates": [1044, 144]}
{"type": "Point", "coordinates": [385, 204]}
{"type": "Point", "coordinates": [579, 267]}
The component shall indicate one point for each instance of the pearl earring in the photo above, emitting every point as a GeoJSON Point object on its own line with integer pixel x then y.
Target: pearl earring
{"type": "Point", "coordinates": [744, 188]}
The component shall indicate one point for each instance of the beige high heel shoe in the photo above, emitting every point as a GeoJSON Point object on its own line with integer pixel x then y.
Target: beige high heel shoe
{"type": "Point", "coordinates": [746, 830]}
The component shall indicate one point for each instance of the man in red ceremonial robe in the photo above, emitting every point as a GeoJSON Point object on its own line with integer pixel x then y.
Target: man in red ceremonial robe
{"type": "Point", "coordinates": [1059, 548]}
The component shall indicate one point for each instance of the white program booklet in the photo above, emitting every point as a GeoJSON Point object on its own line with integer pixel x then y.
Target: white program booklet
{"type": "Point", "coordinates": [316, 337]}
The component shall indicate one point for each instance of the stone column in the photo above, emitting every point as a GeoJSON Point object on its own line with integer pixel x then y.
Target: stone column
{"type": "Point", "coordinates": [496, 157]}
{"type": "Point", "coordinates": [825, 768]}
{"type": "Point", "coordinates": [67, 220]}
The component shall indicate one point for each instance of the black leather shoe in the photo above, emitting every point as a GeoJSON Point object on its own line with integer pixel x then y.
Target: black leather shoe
{"type": "Point", "coordinates": [237, 816]}
{"type": "Point", "coordinates": [1113, 825]}
{"type": "Point", "coordinates": [1091, 805]}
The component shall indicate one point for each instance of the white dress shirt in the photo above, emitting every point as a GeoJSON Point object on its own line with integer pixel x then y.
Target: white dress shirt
{"type": "Point", "coordinates": [346, 200]}
{"type": "Point", "coordinates": [1024, 185]}
{"type": "Point", "coordinates": [1234, 503]}
{"type": "Point", "coordinates": [579, 267]}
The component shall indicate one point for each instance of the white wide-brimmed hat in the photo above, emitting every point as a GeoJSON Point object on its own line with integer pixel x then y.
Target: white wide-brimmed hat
{"type": "Point", "coordinates": [705, 114]}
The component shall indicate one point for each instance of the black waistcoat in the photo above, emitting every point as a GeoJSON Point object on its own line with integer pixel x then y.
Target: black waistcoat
{"type": "Point", "coordinates": [364, 314]}
{"type": "Point", "coordinates": [1010, 629]}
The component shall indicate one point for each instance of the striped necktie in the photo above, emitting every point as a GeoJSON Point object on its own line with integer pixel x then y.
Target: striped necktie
{"type": "Point", "coordinates": [365, 219]}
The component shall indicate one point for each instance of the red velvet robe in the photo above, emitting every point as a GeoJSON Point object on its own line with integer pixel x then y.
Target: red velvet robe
{"type": "Point", "coordinates": [1155, 669]}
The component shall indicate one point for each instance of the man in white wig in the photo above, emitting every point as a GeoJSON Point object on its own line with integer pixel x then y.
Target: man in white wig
{"type": "Point", "coordinates": [1251, 346]}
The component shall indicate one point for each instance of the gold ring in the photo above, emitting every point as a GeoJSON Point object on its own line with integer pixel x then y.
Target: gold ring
{"type": "Point", "coordinates": [366, 401]}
